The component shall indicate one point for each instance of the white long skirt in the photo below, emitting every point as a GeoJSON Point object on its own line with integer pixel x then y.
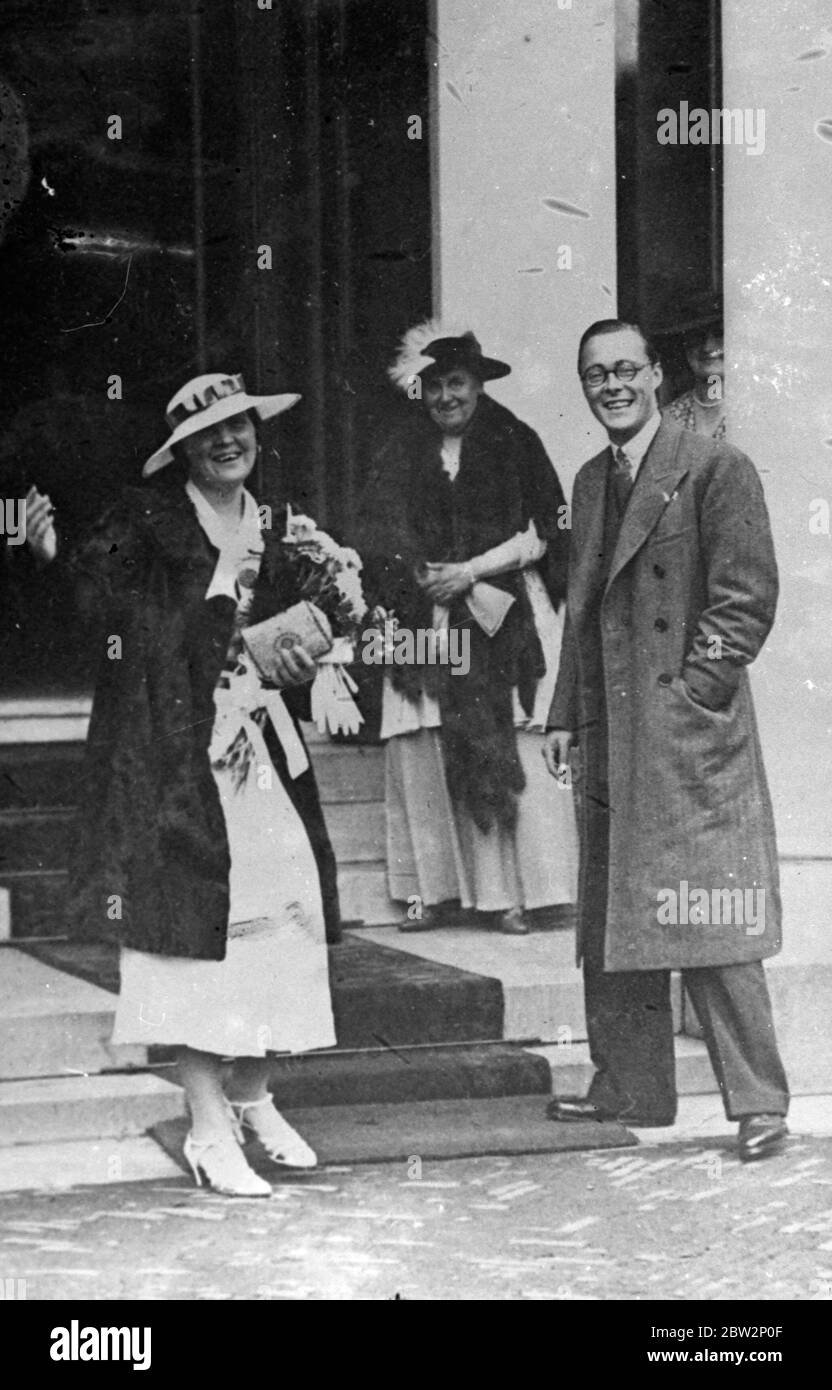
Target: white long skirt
{"type": "Point", "coordinates": [271, 993]}
{"type": "Point", "coordinates": [434, 849]}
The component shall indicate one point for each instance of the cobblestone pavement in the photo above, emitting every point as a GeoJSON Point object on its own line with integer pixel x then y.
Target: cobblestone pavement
{"type": "Point", "coordinates": [682, 1222]}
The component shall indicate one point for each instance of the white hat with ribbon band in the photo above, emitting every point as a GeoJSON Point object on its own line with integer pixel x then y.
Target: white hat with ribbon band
{"type": "Point", "coordinates": [203, 401]}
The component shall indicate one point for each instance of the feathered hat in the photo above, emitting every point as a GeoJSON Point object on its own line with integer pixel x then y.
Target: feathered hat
{"type": "Point", "coordinates": [433, 348]}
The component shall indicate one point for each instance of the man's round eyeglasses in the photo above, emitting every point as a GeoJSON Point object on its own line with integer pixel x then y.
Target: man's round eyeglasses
{"type": "Point", "coordinates": [625, 371]}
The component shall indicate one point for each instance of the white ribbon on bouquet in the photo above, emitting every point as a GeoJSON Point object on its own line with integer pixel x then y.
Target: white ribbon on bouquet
{"type": "Point", "coordinates": [235, 706]}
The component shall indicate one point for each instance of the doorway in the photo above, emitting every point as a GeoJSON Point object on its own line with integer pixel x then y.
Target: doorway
{"type": "Point", "coordinates": [132, 254]}
{"type": "Point", "coordinates": [669, 216]}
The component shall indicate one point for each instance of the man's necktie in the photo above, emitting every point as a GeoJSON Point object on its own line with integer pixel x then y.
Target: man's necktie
{"type": "Point", "coordinates": [622, 478]}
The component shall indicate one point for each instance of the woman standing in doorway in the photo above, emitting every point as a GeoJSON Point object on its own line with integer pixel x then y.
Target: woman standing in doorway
{"type": "Point", "coordinates": [464, 525]}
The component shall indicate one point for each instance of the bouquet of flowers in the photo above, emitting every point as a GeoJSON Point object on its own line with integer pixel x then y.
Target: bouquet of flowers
{"type": "Point", "coordinates": [329, 574]}
{"type": "Point", "coordinates": [325, 619]}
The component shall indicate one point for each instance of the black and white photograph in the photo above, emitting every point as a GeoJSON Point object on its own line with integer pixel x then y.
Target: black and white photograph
{"type": "Point", "coordinates": [416, 662]}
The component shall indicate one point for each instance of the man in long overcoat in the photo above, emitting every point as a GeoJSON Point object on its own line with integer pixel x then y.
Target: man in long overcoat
{"type": "Point", "coordinates": [671, 595]}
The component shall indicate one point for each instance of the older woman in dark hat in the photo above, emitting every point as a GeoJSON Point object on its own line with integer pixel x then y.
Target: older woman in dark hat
{"type": "Point", "coordinates": [702, 407]}
{"type": "Point", "coordinates": [463, 530]}
{"type": "Point", "coordinates": [204, 858]}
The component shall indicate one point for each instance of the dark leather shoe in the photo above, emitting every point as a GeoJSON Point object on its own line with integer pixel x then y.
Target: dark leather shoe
{"type": "Point", "coordinates": [579, 1108]}
{"type": "Point", "coordinates": [761, 1136]}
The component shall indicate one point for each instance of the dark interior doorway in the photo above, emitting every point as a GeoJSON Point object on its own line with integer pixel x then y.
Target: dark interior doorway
{"type": "Point", "coordinates": [136, 257]}
{"type": "Point", "coordinates": [669, 216]}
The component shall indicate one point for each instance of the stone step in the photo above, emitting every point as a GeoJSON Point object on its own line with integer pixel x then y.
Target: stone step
{"type": "Point", "coordinates": [38, 788]}
{"type": "Point", "coordinates": [571, 1070]}
{"type": "Point", "coordinates": [364, 896]}
{"type": "Point", "coordinates": [348, 773]}
{"type": "Point", "coordinates": [36, 776]}
{"type": "Point", "coordinates": [45, 1110]}
{"type": "Point", "coordinates": [53, 1024]}
{"type": "Point", "coordinates": [33, 840]}
{"type": "Point", "coordinates": [382, 998]}
{"type": "Point", "coordinates": [399, 1075]}
{"type": "Point", "coordinates": [801, 1001]}
{"type": "Point", "coordinates": [542, 988]}
{"type": "Point", "coordinates": [35, 902]}
{"type": "Point", "coordinates": [56, 1167]}
{"type": "Point", "coordinates": [36, 840]}
{"type": "Point", "coordinates": [43, 721]}
{"type": "Point", "coordinates": [357, 831]}
{"type": "Point", "coordinates": [36, 898]}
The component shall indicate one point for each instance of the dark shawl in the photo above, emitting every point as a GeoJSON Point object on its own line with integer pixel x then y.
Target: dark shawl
{"type": "Point", "coordinates": [410, 513]}
{"type": "Point", "coordinates": [151, 828]}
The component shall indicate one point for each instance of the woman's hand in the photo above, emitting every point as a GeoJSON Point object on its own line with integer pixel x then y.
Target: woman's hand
{"type": "Point", "coordinates": [443, 582]}
{"type": "Point", "coordinates": [293, 666]}
{"type": "Point", "coordinates": [40, 528]}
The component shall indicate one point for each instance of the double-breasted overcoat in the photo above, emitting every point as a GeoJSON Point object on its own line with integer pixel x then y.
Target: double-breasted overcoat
{"type": "Point", "coordinates": [654, 677]}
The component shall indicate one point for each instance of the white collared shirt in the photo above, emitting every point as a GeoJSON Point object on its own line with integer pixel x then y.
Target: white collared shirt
{"type": "Point", "coordinates": [635, 448]}
{"type": "Point", "coordinates": [238, 539]}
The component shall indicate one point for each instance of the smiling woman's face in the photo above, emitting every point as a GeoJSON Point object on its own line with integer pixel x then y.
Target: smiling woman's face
{"type": "Point", "coordinates": [223, 454]}
{"type": "Point", "coordinates": [451, 399]}
{"type": "Point", "coordinates": [705, 355]}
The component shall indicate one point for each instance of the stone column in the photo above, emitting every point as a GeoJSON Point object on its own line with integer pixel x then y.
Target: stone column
{"type": "Point", "coordinates": [777, 62]}
{"type": "Point", "coordinates": [524, 196]}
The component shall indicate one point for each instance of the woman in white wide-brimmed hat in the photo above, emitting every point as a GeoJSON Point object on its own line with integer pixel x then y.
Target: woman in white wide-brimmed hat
{"type": "Point", "coordinates": [201, 836]}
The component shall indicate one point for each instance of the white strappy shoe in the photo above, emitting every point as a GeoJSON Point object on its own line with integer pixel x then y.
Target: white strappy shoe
{"type": "Point", "coordinates": [282, 1143]}
{"type": "Point", "coordinates": [223, 1163]}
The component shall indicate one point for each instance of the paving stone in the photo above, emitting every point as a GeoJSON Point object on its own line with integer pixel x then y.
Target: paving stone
{"type": "Point", "coordinates": [539, 1227]}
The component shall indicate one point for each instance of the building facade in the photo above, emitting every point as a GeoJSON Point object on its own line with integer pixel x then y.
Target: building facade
{"type": "Point", "coordinates": [292, 185]}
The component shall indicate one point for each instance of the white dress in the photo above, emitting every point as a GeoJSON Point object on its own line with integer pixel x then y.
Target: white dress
{"type": "Point", "coordinates": [271, 993]}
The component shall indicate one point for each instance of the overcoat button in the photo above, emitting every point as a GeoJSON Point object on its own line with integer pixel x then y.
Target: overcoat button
{"type": "Point", "coordinates": [659, 571]}
{"type": "Point", "coordinates": [665, 679]}
{"type": "Point", "coordinates": [660, 624]}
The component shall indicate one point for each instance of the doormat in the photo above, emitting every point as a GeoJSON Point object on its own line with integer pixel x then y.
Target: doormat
{"type": "Point", "coordinates": [440, 1129]}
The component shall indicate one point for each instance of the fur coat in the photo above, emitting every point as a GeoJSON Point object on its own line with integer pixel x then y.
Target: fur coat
{"type": "Point", "coordinates": [411, 513]}
{"type": "Point", "coordinates": [151, 859]}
